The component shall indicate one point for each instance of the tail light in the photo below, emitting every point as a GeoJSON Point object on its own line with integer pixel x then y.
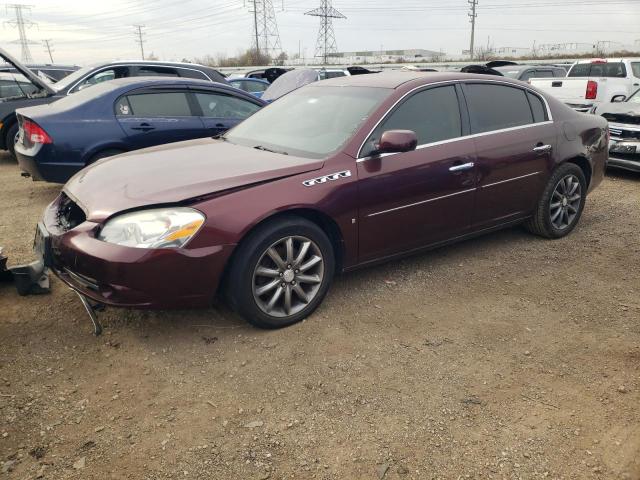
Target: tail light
{"type": "Point", "coordinates": [592, 90]}
{"type": "Point", "coordinates": [35, 133]}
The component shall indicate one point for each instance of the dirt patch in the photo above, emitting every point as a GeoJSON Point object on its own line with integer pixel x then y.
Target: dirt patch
{"type": "Point", "coordinates": [503, 357]}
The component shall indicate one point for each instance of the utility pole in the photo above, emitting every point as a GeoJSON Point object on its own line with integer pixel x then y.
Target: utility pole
{"type": "Point", "coordinates": [266, 39]}
{"type": "Point", "coordinates": [140, 40]}
{"type": "Point", "coordinates": [473, 15]}
{"type": "Point", "coordinates": [47, 43]}
{"type": "Point", "coordinates": [326, 43]}
{"type": "Point", "coordinates": [22, 24]}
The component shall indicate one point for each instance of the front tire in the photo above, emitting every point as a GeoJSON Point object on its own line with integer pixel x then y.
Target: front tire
{"type": "Point", "coordinates": [281, 273]}
{"type": "Point", "coordinates": [561, 204]}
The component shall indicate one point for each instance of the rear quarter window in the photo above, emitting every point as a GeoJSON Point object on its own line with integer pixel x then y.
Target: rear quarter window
{"type": "Point", "coordinates": [496, 107]}
{"type": "Point", "coordinates": [538, 108]}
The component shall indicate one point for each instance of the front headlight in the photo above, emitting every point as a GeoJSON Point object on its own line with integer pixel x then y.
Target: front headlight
{"type": "Point", "coordinates": [157, 228]}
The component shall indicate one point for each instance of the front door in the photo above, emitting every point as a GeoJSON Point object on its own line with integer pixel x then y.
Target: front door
{"type": "Point", "coordinates": [419, 198]}
{"type": "Point", "coordinates": [157, 117]}
{"type": "Point", "coordinates": [514, 142]}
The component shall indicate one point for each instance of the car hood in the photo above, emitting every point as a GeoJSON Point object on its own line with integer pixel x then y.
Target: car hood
{"type": "Point", "coordinates": [176, 173]}
{"type": "Point", "coordinates": [617, 112]}
{"type": "Point", "coordinates": [33, 78]}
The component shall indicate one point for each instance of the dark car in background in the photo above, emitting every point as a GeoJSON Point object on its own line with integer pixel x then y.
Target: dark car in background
{"type": "Point", "coordinates": [57, 140]}
{"type": "Point", "coordinates": [336, 175]}
{"type": "Point", "coordinates": [51, 72]}
{"type": "Point", "coordinates": [526, 72]}
{"type": "Point", "coordinates": [47, 92]}
{"type": "Point", "coordinates": [623, 116]}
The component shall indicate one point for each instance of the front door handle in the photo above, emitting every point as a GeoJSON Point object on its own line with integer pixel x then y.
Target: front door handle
{"type": "Point", "coordinates": [462, 167]}
{"type": "Point", "coordinates": [542, 148]}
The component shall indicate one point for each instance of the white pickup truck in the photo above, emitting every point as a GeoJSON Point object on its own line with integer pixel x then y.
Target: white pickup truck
{"type": "Point", "coordinates": [592, 82]}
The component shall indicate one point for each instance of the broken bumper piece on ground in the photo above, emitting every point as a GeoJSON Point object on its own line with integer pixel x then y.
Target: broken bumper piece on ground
{"type": "Point", "coordinates": [29, 279]}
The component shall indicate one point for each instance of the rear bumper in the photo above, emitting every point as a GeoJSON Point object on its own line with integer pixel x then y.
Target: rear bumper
{"type": "Point", "coordinates": [581, 107]}
{"type": "Point", "coordinates": [44, 171]}
{"type": "Point", "coordinates": [135, 277]}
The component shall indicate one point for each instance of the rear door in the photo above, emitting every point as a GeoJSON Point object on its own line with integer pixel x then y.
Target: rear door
{"type": "Point", "coordinates": [409, 200]}
{"type": "Point", "coordinates": [514, 140]}
{"type": "Point", "coordinates": [157, 116]}
{"type": "Point", "coordinates": [220, 111]}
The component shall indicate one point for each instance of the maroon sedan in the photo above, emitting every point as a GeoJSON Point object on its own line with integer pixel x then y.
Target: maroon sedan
{"type": "Point", "coordinates": [335, 176]}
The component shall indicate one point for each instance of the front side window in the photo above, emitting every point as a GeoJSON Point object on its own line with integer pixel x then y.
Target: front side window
{"type": "Point", "coordinates": [103, 76]}
{"type": "Point", "coordinates": [311, 122]}
{"type": "Point", "coordinates": [224, 106]}
{"type": "Point", "coordinates": [433, 114]}
{"type": "Point", "coordinates": [161, 104]}
{"type": "Point", "coordinates": [496, 107]}
{"type": "Point", "coordinates": [635, 66]}
{"type": "Point", "coordinates": [254, 87]}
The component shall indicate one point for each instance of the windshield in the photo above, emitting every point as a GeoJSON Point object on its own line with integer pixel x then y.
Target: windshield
{"type": "Point", "coordinates": [312, 122]}
{"type": "Point", "coordinates": [71, 79]}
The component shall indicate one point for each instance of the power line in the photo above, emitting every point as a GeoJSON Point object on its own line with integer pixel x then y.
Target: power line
{"type": "Point", "coordinates": [326, 43]}
{"type": "Point", "coordinates": [21, 23]}
{"type": "Point", "coordinates": [140, 41]}
{"type": "Point", "coordinates": [473, 16]}
{"type": "Point", "coordinates": [47, 43]}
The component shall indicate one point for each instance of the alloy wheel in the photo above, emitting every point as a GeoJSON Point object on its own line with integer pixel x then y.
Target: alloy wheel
{"type": "Point", "coordinates": [288, 276]}
{"type": "Point", "coordinates": [565, 202]}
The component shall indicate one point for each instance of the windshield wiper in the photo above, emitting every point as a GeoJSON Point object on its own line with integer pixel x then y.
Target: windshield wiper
{"type": "Point", "coordinates": [265, 149]}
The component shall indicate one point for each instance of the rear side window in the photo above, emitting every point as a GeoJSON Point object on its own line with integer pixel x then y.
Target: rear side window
{"type": "Point", "coordinates": [538, 108]}
{"type": "Point", "coordinates": [611, 70]}
{"type": "Point", "coordinates": [224, 106]}
{"type": "Point", "coordinates": [189, 73]}
{"type": "Point", "coordinates": [636, 69]}
{"type": "Point", "coordinates": [495, 107]}
{"type": "Point", "coordinates": [157, 72]}
{"type": "Point", "coordinates": [434, 115]}
{"type": "Point", "coordinates": [165, 104]}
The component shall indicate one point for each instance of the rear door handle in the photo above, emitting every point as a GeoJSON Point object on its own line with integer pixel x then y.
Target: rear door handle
{"type": "Point", "coordinates": [144, 127]}
{"type": "Point", "coordinates": [542, 148]}
{"type": "Point", "coordinates": [462, 167]}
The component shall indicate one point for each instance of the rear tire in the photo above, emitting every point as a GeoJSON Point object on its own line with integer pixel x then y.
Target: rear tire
{"type": "Point", "coordinates": [280, 273]}
{"type": "Point", "coordinates": [561, 204]}
{"type": "Point", "coordinates": [10, 140]}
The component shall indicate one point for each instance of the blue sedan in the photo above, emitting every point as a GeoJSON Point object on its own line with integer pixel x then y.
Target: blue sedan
{"type": "Point", "coordinates": [254, 86]}
{"type": "Point", "coordinates": [57, 140]}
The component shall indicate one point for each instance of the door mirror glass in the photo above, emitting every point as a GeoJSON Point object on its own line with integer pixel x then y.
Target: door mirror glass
{"type": "Point", "coordinates": [619, 99]}
{"type": "Point", "coordinates": [397, 141]}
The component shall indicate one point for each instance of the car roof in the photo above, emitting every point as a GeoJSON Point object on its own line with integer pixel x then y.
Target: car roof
{"type": "Point", "coordinates": [397, 79]}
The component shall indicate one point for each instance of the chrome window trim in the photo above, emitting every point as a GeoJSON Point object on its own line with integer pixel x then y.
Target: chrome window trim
{"type": "Point", "coordinates": [114, 65]}
{"type": "Point", "coordinates": [453, 82]}
{"type": "Point", "coordinates": [422, 202]}
{"type": "Point", "coordinates": [458, 139]}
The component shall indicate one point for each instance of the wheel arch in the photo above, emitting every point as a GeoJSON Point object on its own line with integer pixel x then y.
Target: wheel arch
{"type": "Point", "coordinates": [328, 225]}
{"type": "Point", "coordinates": [97, 149]}
{"type": "Point", "coordinates": [8, 122]}
{"type": "Point", "coordinates": [584, 165]}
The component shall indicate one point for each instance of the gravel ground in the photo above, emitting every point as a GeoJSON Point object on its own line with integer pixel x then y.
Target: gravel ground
{"type": "Point", "coordinates": [506, 357]}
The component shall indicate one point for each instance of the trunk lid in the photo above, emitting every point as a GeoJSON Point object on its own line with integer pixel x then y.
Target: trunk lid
{"type": "Point", "coordinates": [175, 173]}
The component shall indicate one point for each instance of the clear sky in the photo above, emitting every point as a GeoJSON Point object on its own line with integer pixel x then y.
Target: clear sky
{"type": "Point", "coordinates": [84, 31]}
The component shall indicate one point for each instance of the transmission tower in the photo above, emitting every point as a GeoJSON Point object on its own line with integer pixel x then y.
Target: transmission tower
{"type": "Point", "coordinates": [473, 15]}
{"type": "Point", "coordinates": [140, 38]}
{"type": "Point", "coordinates": [21, 23]}
{"type": "Point", "coordinates": [47, 43]}
{"type": "Point", "coordinates": [266, 37]}
{"type": "Point", "coordinates": [326, 43]}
